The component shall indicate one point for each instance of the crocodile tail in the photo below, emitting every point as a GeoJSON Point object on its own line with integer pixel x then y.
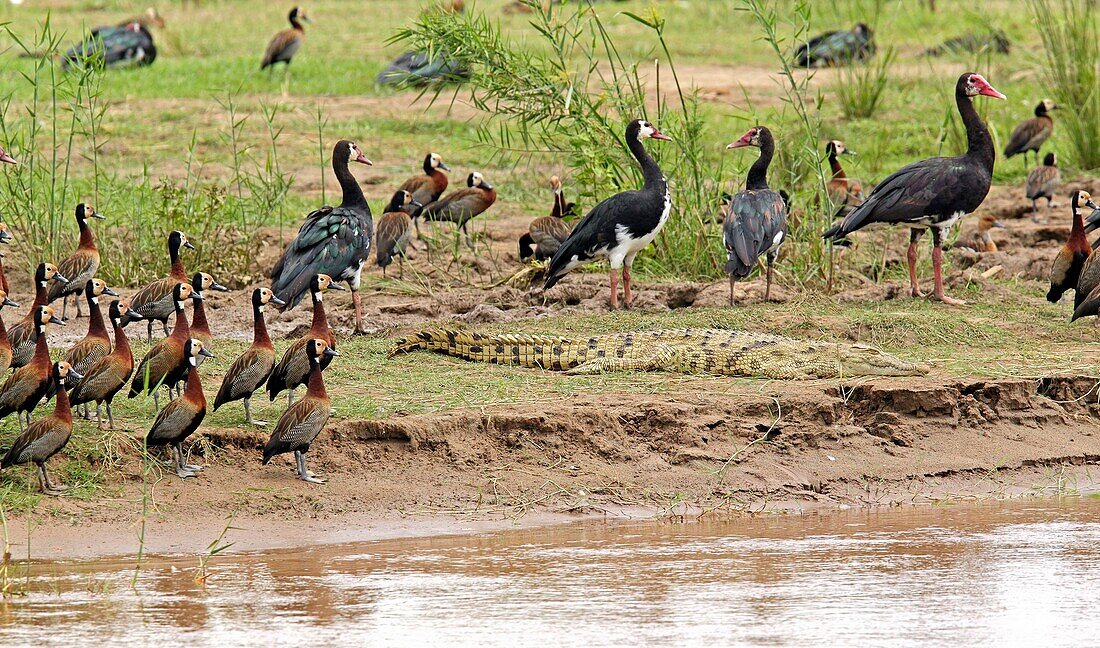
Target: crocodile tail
{"type": "Point", "coordinates": [416, 341]}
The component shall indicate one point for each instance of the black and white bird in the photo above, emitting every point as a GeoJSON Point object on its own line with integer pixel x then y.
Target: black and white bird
{"type": "Point", "coordinates": [621, 226]}
{"type": "Point", "coordinates": [756, 220]}
{"type": "Point", "coordinates": [934, 193]}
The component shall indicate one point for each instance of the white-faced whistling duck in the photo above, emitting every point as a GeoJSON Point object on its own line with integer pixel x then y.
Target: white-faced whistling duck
{"type": "Point", "coordinates": [756, 222]}
{"type": "Point", "coordinates": [251, 369]}
{"type": "Point", "coordinates": [80, 266]}
{"type": "Point", "coordinates": [546, 234]}
{"type": "Point", "coordinates": [334, 241]}
{"type": "Point", "coordinates": [285, 44]}
{"type": "Point", "coordinates": [5, 343]}
{"type": "Point", "coordinates": [165, 363]}
{"type": "Point", "coordinates": [1065, 272]}
{"type": "Point", "coordinates": [460, 206]}
{"type": "Point", "coordinates": [200, 326]}
{"type": "Point", "coordinates": [24, 333]}
{"type": "Point", "coordinates": [1031, 134]}
{"type": "Point", "coordinates": [46, 437]}
{"type": "Point", "coordinates": [183, 415]}
{"type": "Point", "coordinates": [621, 226]}
{"type": "Point", "coordinates": [844, 192]}
{"type": "Point", "coordinates": [292, 369]}
{"type": "Point", "coordinates": [154, 302]}
{"type": "Point", "coordinates": [428, 186]}
{"type": "Point", "coordinates": [300, 424]}
{"type": "Point", "coordinates": [934, 193]}
{"type": "Point", "coordinates": [1043, 182]}
{"type": "Point", "coordinates": [984, 240]}
{"type": "Point", "coordinates": [26, 387]}
{"type": "Point", "coordinates": [96, 343]}
{"type": "Point", "coordinates": [108, 375]}
{"type": "Point", "coordinates": [394, 230]}
{"type": "Point", "coordinates": [836, 48]}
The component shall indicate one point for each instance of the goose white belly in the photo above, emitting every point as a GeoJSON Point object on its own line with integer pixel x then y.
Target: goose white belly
{"type": "Point", "coordinates": [627, 247]}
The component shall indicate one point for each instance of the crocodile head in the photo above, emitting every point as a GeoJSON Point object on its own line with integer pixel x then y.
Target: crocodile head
{"type": "Point", "coordinates": [862, 360]}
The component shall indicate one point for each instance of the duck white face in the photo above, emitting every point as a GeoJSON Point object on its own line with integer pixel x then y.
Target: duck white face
{"type": "Point", "coordinates": [555, 184]}
{"type": "Point", "coordinates": [356, 155]}
{"type": "Point", "coordinates": [406, 198]}
{"type": "Point", "coordinates": [977, 85]}
{"type": "Point", "coordinates": [1049, 105]}
{"type": "Point", "coordinates": [476, 179]}
{"type": "Point", "coordinates": [1082, 200]}
{"type": "Point", "coordinates": [436, 160]}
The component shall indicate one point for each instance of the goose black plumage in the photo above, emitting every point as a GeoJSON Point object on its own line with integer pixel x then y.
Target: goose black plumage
{"type": "Point", "coordinates": [756, 221]}
{"type": "Point", "coordinates": [621, 226]}
{"type": "Point", "coordinates": [415, 69]}
{"type": "Point", "coordinates": [1031, 134]}
{"type": "Point", "coordinates": [836, 48]}
{"type": "Point", "coordinates": [127, 45]}
{"type": "Point", "coordinates": [285, 44]}
{"type": "Point", "coordinates": [335, 241]}
{"type": "Point", "coordinates": [934, 193]}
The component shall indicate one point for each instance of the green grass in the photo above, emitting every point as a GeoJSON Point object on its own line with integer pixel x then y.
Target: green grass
{"type": "Point", "coordinates": [211, 53]}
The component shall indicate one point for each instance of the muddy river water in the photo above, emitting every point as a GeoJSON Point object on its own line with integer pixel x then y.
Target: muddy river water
{"type": "Point", "coordinates": [1019, 573]}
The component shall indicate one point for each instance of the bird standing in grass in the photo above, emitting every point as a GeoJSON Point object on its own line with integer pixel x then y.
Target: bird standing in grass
{"type": "Point", "coordinates": [1065, 272]}
{"type": "Point", "coordinates": [934, 193]}
{"type": "Point", "coordinates": [182, 416]}
{"type": "Point", "coordinates": [200, 326]}
{"type": "Point", "coordinates": [459, 207]}
{"type": "Point", "coordinates": [80, 266]}
{"type": "Point", "coordinates": [24, 333]}
{"type": "Point", "coordinates": [27, 385]}
{"type": "Point", "coordinates": [292, 369]}
{"type": "Point", "coordinates": [285, 44]}
{"type": "Point", "coordinates": [756, 221]}
{"type": "Point", "coordinates": [96, 343]}
{"type": "Point", "coordinates": [395, 229]}
{"type": "Point", "coordinates": [621, 226]}
{"type": "Point", "coordinates": [165, 363]}
{"type": "Point", "coordinates": [335, 241]}
{"type": "Point", "coordinates": [46, 437]}
{"type": "Point", "coordinates": [250, 371]}
{"type": "Point", "coordinates": [300, 424]}
{"type": "Point", "coordinates": [1031, 134]}
{"type": "Point", "coordinates": [154, 302]}
{"type": "Point", "coordinates": [1043, 182]}
{"type": "Point", "coordinates": [108, 375]}
{"type": "Point", "coordinates": [427, 187]}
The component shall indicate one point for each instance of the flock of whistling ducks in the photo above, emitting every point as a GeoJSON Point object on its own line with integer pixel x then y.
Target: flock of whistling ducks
{"type": "Point", "coordinates": [334, 244]}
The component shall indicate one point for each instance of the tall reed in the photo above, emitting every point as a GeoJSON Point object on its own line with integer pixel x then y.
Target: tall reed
{"type": "Point", "coordinates": [570, 100]}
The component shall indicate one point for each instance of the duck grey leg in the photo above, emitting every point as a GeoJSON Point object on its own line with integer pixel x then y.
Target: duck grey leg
{"type": "Point", "coordinates": [303, 472]}
{"type": "Point", "coordinates": [177, 457]}
{"type": "Point", "coordinates": [110, 417]}
{"type": "Point", "coordinates": [49, 488]}
{"type": "Point", "coordinates": [186, 466]}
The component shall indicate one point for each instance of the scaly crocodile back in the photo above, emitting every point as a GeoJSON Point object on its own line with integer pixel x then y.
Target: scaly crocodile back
{"type": "Point", "coordinates": [714, 351]}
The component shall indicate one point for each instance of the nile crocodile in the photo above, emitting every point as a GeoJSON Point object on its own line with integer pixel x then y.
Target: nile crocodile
{"type": "Point", "coordinates": [713, 351]}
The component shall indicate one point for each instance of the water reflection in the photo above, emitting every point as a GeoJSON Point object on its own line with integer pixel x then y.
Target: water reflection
{"type": "Point", "coordinates": [1021, 573]}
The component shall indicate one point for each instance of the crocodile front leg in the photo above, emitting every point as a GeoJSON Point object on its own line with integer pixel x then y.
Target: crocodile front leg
{"type": "Point", "coordinates": [655, 358]}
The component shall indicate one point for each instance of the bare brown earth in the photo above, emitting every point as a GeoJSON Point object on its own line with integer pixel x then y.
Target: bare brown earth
{"type": "Point", "coordinates": [696, 446]}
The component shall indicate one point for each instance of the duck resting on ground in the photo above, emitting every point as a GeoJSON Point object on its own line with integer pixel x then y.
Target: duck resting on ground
{"type": "Point", "coordinates": [837, 48]}
{"type": "Point", "coordinates": [621, 226]}
{"type": "Point", "coordinates": [123, 46]}
{"type": "Point", "coordinates": [756, 221]}
{"type": "Point", "coordinates": [984, 240]}
{"type": "Point", "coordinates": [546, 234]}
{"type": "Point", "coordinates": [80, 266]}
{"type": "Point", "coordinates": [934, 193]}
{"type": "Point", "coordinates": [335, 241]}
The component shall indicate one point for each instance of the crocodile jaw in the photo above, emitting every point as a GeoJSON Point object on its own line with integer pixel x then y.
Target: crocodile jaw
{"type": "Point", "coordinates": [861, 360]}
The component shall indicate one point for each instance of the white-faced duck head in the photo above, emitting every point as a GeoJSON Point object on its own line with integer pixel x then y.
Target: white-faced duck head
{"type": "Point", "coordinates": [318, 348]}
{"type": "Point", "coordinates": [195, 351]}
{"type": "Point", "coordinates": [120, 308]}
{"type": "Point", "coordinates": [84, 211]}
{"type": "Point", "coordinates": [475, 179]}
{"type": "Point", "coordinates": [837, 147]}
{"type": "Point", "coordinates": [96, 287]}
{"type": "Point", "coordinates": [63, 371]}
{"type": "Point", "coordinates": [1045, 106]}
{"type": "Point", "coordinates": [298, 14]}
{"type": "Point", "coordinates": [48, 272]}
{"type": "Point", "coordinates": [1081, 200]}
{"type": "Point", "coordinates": [177, 240]}
{"type": "Point", "coordinates": [181, 292]}
{"type": "Point", "coordinates": [322, 282]}
{"type": "Point", "coordinates": [434, 161]}
{"type": "Point", "coordinates": [261, 297]}
{"type": "Point", "coordinates": [46, 315]}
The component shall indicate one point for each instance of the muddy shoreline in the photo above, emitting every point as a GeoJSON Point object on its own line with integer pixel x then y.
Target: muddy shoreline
{"type": "Point", "coordinates": [709, 449]}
